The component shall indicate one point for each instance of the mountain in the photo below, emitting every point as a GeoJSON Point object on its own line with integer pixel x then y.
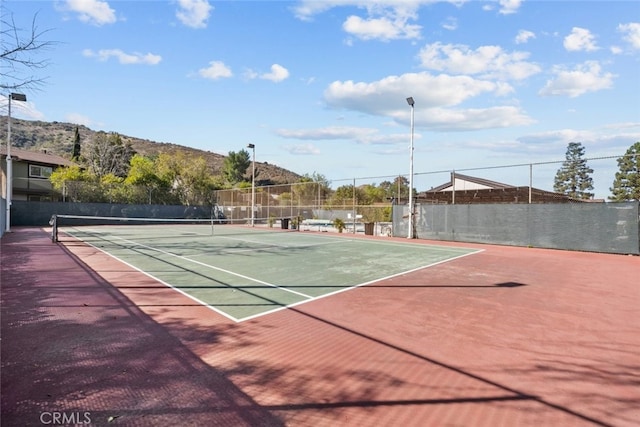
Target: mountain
{"type": "Point", "coordinates": [57, 138]}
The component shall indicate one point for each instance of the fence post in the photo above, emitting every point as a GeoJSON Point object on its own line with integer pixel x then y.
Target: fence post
{"type": "Point", "coordinates": [530, 181]}
{"type": "Point", "coordinates": [453, 187]}
{"type": "Point", "coordinates": [354, 206]}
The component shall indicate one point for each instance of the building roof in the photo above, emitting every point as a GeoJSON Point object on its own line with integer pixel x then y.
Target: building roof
{"type": "Point", "coordinates": [470, 189]}
{"type": "Point", "coordinates": [467, 182]}
{"type": "Point", "coordinates": [36, 157]}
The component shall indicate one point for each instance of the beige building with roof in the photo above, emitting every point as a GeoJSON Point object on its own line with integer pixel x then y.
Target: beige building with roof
{"type": "Point", "coordinates": [31, 171]}
{"type": "Point", "coordinates": [466, 189]}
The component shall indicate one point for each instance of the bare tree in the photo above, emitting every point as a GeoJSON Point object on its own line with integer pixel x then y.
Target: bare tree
{"type": "Point", "coordinates": [108, 154]}
{"type": "Point", "coordinates": [20, 51]}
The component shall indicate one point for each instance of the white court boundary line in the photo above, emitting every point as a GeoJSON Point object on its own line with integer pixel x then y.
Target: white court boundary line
{"type": "Point", "coordinates": [335, 240]}
{"type": "Point", "coordinates": [228, 316]}
{"type": "Point", "coordinates": [213, 267]}
{"type": "Point", "coordinates": [359, 285]}
{"type": "Point", "coordinates": [275, 245]}
{"type": "Point", "coordinates": [309, 297]}
{"type": "Point", "coordinates": [270, 246]}
{"type": "Point", "coordinates": [169, 285]}
{"type": "Point", "coordinates": [414, 243]}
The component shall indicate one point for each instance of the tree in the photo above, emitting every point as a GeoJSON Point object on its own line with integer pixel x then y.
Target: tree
{"type": "Point", "coordinates": [143, 171]}
{"type": "Point", "coordinates": [72, 182]}
{"type": "Point", "coordinates": [144, 175]}
{"type": "Point", "coordinates": [396, 190]}
{"type": "Point", "coordinates": [372, 194]}
{"type": "Point", "coordinates": [573, 178]}
{"type": "Point", "coordinates": [198, 183]}
{"type": "Point", "coordinates": [66, 174]}
{"type": "Point", "coordinates": [235, 166]}
{"type": "Point", "coordinates": [108, 154]}
{"type": "Point", "coordinates": [18, 53]}
{"type": "Point", "coordinates": [310, 190]}
{"type": "Point", "coordinates": [188, 177]}
{"type": "Point", "coordinates": [626, 185]}
{"type": "Point", "coordinates": [344, 196]}
{"type": "Point", "coordinates": [316, 177]}
{"type": "Point", "coordinates": [113, 189]}
{"type": "Point", "coordinates": [76, 145]}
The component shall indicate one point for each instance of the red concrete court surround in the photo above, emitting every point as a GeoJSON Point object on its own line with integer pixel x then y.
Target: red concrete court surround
{"type": "Point", "coordinates": [506, 337]}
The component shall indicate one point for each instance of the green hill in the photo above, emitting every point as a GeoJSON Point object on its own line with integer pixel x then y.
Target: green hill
{"type": "Point", "coordinates": [57, 138]}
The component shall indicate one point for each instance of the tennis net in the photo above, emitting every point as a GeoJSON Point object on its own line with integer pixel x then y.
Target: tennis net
{"type": "Point", "coordinates": [81, 227]}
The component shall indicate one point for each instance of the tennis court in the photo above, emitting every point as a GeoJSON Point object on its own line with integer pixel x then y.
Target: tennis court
{"type": "Point", "coordinates": [485, 336]}
{"type": "Point", "coordinates": [243, 272]}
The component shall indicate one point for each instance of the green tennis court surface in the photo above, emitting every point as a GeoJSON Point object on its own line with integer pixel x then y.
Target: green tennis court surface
{"type": "Point", "coordinates": [244, 272]}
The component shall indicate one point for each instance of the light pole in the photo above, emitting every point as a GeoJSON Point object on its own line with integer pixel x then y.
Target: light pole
{"type": "Point", "coordinates": [411, 233]}
{"type": "Point", "coordinates": [14, 97]}
{"type": "Point", "coordinates": [253, 184]}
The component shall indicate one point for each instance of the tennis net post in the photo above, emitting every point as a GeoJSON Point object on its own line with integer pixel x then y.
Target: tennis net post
{"type": "Point", "coordinates": [53, 222]}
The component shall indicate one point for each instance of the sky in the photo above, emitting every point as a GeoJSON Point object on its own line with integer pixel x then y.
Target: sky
{"type": "Point", "coordinates": [322, 86]}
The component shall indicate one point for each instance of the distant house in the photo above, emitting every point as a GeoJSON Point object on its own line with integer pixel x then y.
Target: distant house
{"type": "Point", "coordinates": [465, 189]}
{"type": "Point", "coordinates": [30, 172]}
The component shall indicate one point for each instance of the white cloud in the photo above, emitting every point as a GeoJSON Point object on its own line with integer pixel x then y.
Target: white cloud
{"type": "Point", "coordinates": [580, 39]}
{"type": "Point", "coordinates": [194, 13]}
{"type": "Point", "coordinates": [278, 73]}
{"type": "Point", "coordinates": [616, 50]}
{"type": "Point", "coordinates": [631, 33]}
{"type": "Point", "coordinates": [390, 139]}
{"type": "Point", "coordinates": [434, 97]}
{"type": "Point", "coordinates": [302, 149]}
{"type": "Point", "coordinates": [450, 24]}
{"type": "Point", "coordinates": [123, 58]}
{"type": "Point", "coordinates": [306, 9]}
{"type": "Point", "coordinates": [508, 7]}
{"type": "Point", "coordinates": [79, 119]}
{"type": "Point", "coordinates": [611, 137]}
{"type": "Point", "coordinates": [384, 28]}
{"type": "Point", "coordinates": [524, 36]}
{"type": "Point", "coordinates": [327, 133]}
{"type": "Point", "coordinates": [95, 12]}
{"type": "Point", "coordinates": [385, 19]}
{"type": "Point", "coordinates": [623, 125]}
{"type": "Point", "coordinates": [558, 136]}
{"type": "Point", "coordinates": [486, 61]}
{"type": "Point", "coordinates": [216, 70]}
{"type": "Point", "coordinates": [332, 133]}
{"type": "Point", "coordinates": [384, 97]}
{"type": "Point", "coordinates": [20, 109]}
{"type": "Point", "coordinates": [586, 77]}
{"type": "Point", "coordinates": [250, 74]}
{"type": "Point", "coordinates": [471, 119]}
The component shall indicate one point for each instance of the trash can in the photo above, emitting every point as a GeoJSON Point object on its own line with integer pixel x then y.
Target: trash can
{"type": "Point", "coordinates": [368, 228]}
{"type": "Point", "coordinates": [284, 223]}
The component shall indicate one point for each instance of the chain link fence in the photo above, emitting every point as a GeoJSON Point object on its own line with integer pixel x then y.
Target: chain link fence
{"type": "Point", "coordinates": [300, 201]}
{"type": "Point", "coordinates": [517, 183]}
{"type": "Point", "coordinates": [366, 199]}
{"type": "Point", "coordinates": [594, 227]}
{"type": "Point", "coordinates": [526, 183]}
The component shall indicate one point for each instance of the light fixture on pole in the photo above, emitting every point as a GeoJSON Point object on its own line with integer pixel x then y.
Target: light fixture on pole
{"type": "Point", "coordinates": [253, 184]}
{"type": "Point", "coordinates": [411, 233]}
{"type": "Point", "coordinates": [9, 176]}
